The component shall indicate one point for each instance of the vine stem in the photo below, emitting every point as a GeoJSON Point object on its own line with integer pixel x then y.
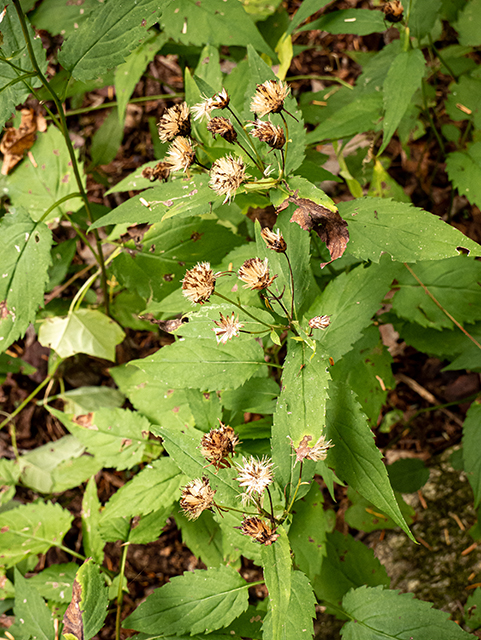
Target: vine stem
{"type": "Point", "coordinates": [120, 592]}
{"type": "Point", "coordinates": [70, 148]}
{"type": "Point", "coordinates": [426, 290]}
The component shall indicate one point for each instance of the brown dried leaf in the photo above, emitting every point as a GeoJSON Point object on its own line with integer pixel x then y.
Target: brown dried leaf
{"type": "Point", "coordinates": [328, 225]}
{"type": "Point", "coordinates": [16, 141]}
{"type": "Point", "coordinates": [72, 620]}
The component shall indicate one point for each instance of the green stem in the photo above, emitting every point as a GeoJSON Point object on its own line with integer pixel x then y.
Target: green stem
{"type": "Point", "coordinates": [288, 510]}
{"type": "Point", "coordinates": [315, 77]}
{"type": "Point", "coordinates": [292, 284]}
{"type": "Point", "coordinates": [107, 105]}
{"type": "Point", "coordinates": [216, 293]}
{"type": "Point", "coordinates": [261, 169]}
{"type": "Point", "coordinates": [120, 592]}
{"type": "Point", "coordinates": [259, 162]}
{"type": "Point", "coordinates": [70, 148]}
{"type": "Point", "coordinates": [284, 155]}
{"type": "Point", "coordinates": [77, 194]}
{"type": "Point", "coordinates": [224, 508]}
{"type": "Point", "coordinates": [431, 121]}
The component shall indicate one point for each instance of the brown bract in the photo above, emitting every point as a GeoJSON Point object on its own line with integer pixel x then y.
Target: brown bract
{"type": "Point", "coordinates": [268, 133]}
{"type": "Point", "coordinates": [222, 127]}
{"type": "Point", "coordinates": [217, 445]}
{"type": "Point", "coordinates": [328, 225]}
{"type": "Point", "coordinates": [269, 97]}
{"type": "Point", "coordinates": [259, 530]}
{"type": "Point", "coordinates": [161, 172]}
{"type": "Point", "coordinates": [16, 141]}
{"type": "Point", "coordinates": [274, 240]}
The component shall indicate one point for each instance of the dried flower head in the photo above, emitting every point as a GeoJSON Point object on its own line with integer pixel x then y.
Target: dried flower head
{"type": "Point", "coordinates": [393, 11]}
{"type": "Point", "coordinates": [226, 176]}
{"type": "Point", "coordinates": [317, 452]}
{"type": "Point", "coordinates": [218, 445]}
{"type": "Point", "coordinates": [199, 283]}
{"type": "Point", "coordinates": [174, 122]}
{"type": "Point", "coordinates": [269, 97]}
{"type": "Point", "coordinates": [221, 99]}
{"type": "Point", "coordinates": [197, 496]}
{"type": "Point", "coordinates": [161, 171]}
{"type": "Point", "coordinates": [203, 109]}
{"type": "Point", "coordinates": [320, 322]}
{"type": "Point", "coordinates": [255, 273]}
{"type": "Point", "coordinates": [274, 241]}
{"type": "Point", "coordinates": [181, 154]}
{"type": "Point", "coordinates": [255, 474]}
{"type": "Point", "coordinates": [268, 133]}
{"type": "Point", "coordinates": [259, 530]}
{"type": "Point", "coordinates": [227, 328]}
{"type": "Point", "coordinates": [222, 127]}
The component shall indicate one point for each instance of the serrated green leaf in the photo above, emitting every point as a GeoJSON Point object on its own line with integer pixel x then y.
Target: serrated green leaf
{"type": "Point", "coordinates": [360, 22]}
{"type": "Point", "coordinates": [93, 598]}
{"type": "Point", "coordinates": [256, 395]}
{"type": "Point", "coordinates": [471, 449]}
{"type": "Point", "coordinates": [154, 488]}
{"type": "Point", "coordinates": [423, 16]}
{"type": "Point", "coordinates": [31, 529]}
{"type": "Point", "coordinates": [465, 93]}
{"type": "Point", "coordinates": [87, 399]}
{"type": "Point", "coordinates": [14, 49]}
{"type": "Point", "coordinates": [298, 617]}
{"type": "Point", "coordinates": [347, 564]}
{"type": "Point", "coordinates": [380, 614]}
{"type": "Point", "coordinates": [306, 9]}
{"type": "Point", "coordinates": [92, 541]}
{"type": "Point", "coordinates": [464, 170]}
{"type": "Point", "coordinates": [74, 472]}
{"type": "Point", "coordinates": [454, 284]}
{"type": "Point", "coordinates": [406, 233]}
{"type": "Point", "coordinates": [149, 528]}
{"type": "Point", "coordinates": [25, 249]}
{"type": "Point", "coordinates": [83, 331]}
{"type": "Point", "coordinates": [106, 140]}
{"type": "Point", "coordinates": [34, 617]}
{"type": "Point", "coordinates": [37, 188]}
{"type": "Point", "coordinates": [408, 475]}
{"type": "Point", "coordinates": [68, 16]}
{"type": "Point", "coordinates": [55, 583]}
{"type": "Point", "coordinates": [218, 22]}
{"type": "Point", "coordinates": [196, 602]}
{"type": "Point", "coordinates": [468, 24]}
{"type": "Point", "coordinates": [206, 408]}
{"type": "Point", "coordinates": [363, 515]}
{"type": "Point", "coordinates": [105, 40]}
{"type": "Point", "coordinates": [354, 456]}
{"type": "Point", "coordinates": [203, 537]}
{"type": "Point", "coordinates": [403, 79]}
{"type": "Point", "coordinates": [276, 562]}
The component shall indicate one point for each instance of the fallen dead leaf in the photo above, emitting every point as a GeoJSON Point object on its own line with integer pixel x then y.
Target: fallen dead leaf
{"type": "Point", "coordinates": [16, 141]}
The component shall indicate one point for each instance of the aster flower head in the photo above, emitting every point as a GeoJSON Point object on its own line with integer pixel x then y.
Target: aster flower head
{"type": "Point", "coordinates": [255, 474]}
{"type": "Point", "coordinates": [217, 445]}
{"type": "Point", "coordinates": [181, 154]}
{"type": "Point", "coordinates": [203, 109]}
{"type": "Point", "coordinates": [317, 452]}
{"type": "Point", "coordinates": [227, 328]}
{"type": "Point", "coordinates": [161, 172]}
{"type": "Point", "coordinates": [268, 133]}
{"type": "Point", "coordinates": [174, 122]}
{"type": "Point", "coordinates": [199, 283]}
{"type": "Point", "coordinates": [197, 496]}
{"type": "Point", "coordinates": [226, 176]}
{"type": "Point", "coordinates": [222, 127]}
{"type": "Point", "coordinates": [269, 97]}
{"type": "Point", "coordinates": [274, 241]}
{"type": "Point", "coordinates": [320, 322]}
{"type": "Point", "coordinates": [255, 273]}
{"type": "Point", "coordinates": [258, 530]}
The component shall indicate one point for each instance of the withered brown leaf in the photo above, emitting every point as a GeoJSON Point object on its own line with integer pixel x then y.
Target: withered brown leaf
{"type": "Point", "coordinates": [72, 620]}
{"type": "Point", "coordinates": [16, 141]}
{"type": "Point", "coordinates": [328, 225]}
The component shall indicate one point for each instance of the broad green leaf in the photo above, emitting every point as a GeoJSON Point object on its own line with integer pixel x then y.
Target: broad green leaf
{"type": "Point", "coordinates": [408, 475]}
{"type": "Point", "coordinates": [105, 40]}
{"type": "Point", "coordinates": [116, 437]}
{"type": "Point", "coordinates": [9, 471]}
{"type": "Point", "coordinates": [306, 9]}
{"type": "Point", "coordinates": [351, 299]}
{"type": "Point", "coordinates": [298, 616]}
{"type": "Point", "coordinates": [68, 16]}
{"type": "Point", "coordinates": [468, 24]}
{"type": "Point", "coordinates": [180, 197]}
{"type": "Point", "coordinates": [74, 472]}
{"type": "Point", "coordinates": [85, 399]}
{"type": "Point", "coordinates": [365, 516]}
{"type": "Point", "coordinates": [11, 364]}
{"type": "Point", "coordinates": [256, 395]}
{"type": "Point", "coordinates": [203, 537]}
{"type": "Point", "coordinates": [25, 250]}
{"type": "Point", "coordinates": [406, 233]}
{"type": "Point", "coordinates": [380, 614]}
{"type": "Point", "coordinates": [464, 170]}
{"type": "Point", "coordinates": [466, 94]}
{"type": "Point", "coordinates": [422, 16]}
{"type": "Point", "coordinates": [92, 541]}
{"type": "Point", "coordinates": [30, 611]}
{"type": "Point", "coordinates": [301, 407]}
{"type": "Point", "coordinates": [83, 331]}
{"type": "Point", "coordinates": [472, 610]}
{"type": "Point", "coordinates": [62, 256]}
{"type": "Point", "coordinates": [276, 562]}
{"type": "Point", "coordinates": [90, 598]}
{"type": "Point", "coordinates": [403, 79]}
{"type": "Point", "coordinates": [55, 583]}
{"type": "Point", "coordinates": [14, 49]}
{"type": "Point", "coordinates": [107, 139]}
{"type": "Point", "coordinates": [348, 563]}
{"type": "Point", "coordinates": [201, 323]}
{"type": "Point", "coordinates": [196, 602]}
{"type": "Point", "coordinates": [217, 22]}
{"type": "Point", "coordinates": [471, 449]}
{"type": "Point", "coordinates": [149, 528]}
{"type": "Point", "coordinates": [31, 529]}
{"type": "Point", "coordinates": [156, 487]}
{"type": "Point", "coordinates": [208, 68]}
{"type": "Point", "coordinates": [37, 188]}
{"type": "Point", "coordinates": [128, 74]}
{"type": "Point", "coordinates": [454, 284]}
{"type": "Point", "coordinates": [200, 364]}
{"type": "Point", "coordinates": [360, 22]}
{"type": "Point", "coordinates": [367, 370]}
{"type": "Point", "coordinates": [359, 116]}
{"type": "Point", "coordinates": [354, 456]}
{"type": "Point", "coordinates": [307, 534]}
